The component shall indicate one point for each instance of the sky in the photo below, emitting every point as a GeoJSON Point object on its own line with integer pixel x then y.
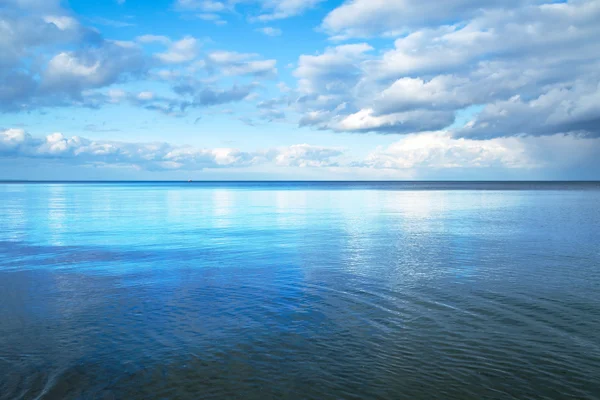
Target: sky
{"type": "Point", "coordinates": [300, 90]}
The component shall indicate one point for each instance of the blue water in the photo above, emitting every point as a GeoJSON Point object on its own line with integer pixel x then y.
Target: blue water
{"type": "Point", "coordinates": [300, 290]}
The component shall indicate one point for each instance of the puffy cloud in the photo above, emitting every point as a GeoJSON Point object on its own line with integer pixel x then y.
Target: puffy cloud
{"type": "Point", "coordinates": [180, 51]}
{"type": "Point", "coordinates": [336, 70]}
{"type": "Point", "coordinates": [419, 155]}
{"type": "Point", "coordinates": [26, 26]}
{"type": "Point", "coordinates": [33, 73]}
{"type": "Point", "coordinates": [403, 122]}
{"type": "Point", "coordinates": [153, 156]}
{"type": "Point", "coordinates": [91, 67]}
{"type": "Point", "coordinates": [439, 93]}
{"type": "Point", "coordinates": [441, 150]}
{"type": "Point", "coordinates": [376, 17]}
{"type": "Point", "coordinates": [516, 59]}
{"type": "Point", "coordinates": [49, 59]}
{"type": "Point", "coordinates": [570, 108]}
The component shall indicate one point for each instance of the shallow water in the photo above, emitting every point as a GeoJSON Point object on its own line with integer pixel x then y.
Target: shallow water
{"type": "Point", "coordinates": [306, 290]}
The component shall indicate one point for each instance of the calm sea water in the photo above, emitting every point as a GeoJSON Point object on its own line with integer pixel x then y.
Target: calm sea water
{"type": "Point", "coordinates": [300, 291]}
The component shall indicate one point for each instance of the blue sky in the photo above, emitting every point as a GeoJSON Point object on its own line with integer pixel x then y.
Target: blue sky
{"type": "Point", "coordinates": [299, 89]}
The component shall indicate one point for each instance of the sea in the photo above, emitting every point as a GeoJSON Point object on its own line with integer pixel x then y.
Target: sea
{"type": "Point", "coordinates": [299, 290]}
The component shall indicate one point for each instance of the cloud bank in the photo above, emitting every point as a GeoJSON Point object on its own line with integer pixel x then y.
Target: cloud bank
{"type": "Point", "coordinates": [533, 66]}
{"type": "Point", "coordinates": [78, 150]}
{"type": "Point", "coordinates": [421, 154]}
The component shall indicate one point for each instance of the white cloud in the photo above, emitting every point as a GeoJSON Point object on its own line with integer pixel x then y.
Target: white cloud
{"type": "Point", "coordinates": [67, 64]}
{"type": "Point", "coordinates": [441, 150]}
{"type": "Point", "coordinates": [181, 51]}
{"type": "Point", "coordinates": [269, 31]}
{"type": "Point", "coordinates": [145, 96]}
{"type": "Point", "coordinates": [268, 10]}
{"type": "Point", "coordinates": [280, 9]}
{"type": "Point", "coordinates": [570, 108]}
{"type": "Point", "coordinates": [337, 68]}
{"type": "Point", "coordinates": [154, 156]}
{"type": "Point", "coordinates": [73, 71]}
{"type": "Point", "coordinates": [415, 155]}
{"type": "Point", "coordinates": [402, 122]}
{"type": "Point", "coordinates": [154, 39]}
{"type": "Point", "coordinates": [546, 54]}
{"type": "Point", "coordinates": [236, 64]}
{"type": "Point", "coordinates": [62, 22]}
{"type": "Point", "coordinates": [304, 155]}
{"type": "Point", "coordinates": [372, 17]}
{"type": "Point", "coordinates": [428, 152]}
{"type": "Point", "coordinates": [208, 6]}
{"type": "Point", "coordinates": [212, 17]}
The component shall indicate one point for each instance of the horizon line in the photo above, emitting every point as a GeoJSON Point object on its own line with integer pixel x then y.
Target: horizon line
{"type": "Point", "coordinates": [286, 181]}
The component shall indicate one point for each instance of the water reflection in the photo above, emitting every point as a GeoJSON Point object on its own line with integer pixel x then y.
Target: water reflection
{"type": "Point", "coordinates": [167, 291]}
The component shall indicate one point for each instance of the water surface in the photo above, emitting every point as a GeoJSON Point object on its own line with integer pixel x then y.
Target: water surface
{"type": "Point", "coordinates": [300, 290]}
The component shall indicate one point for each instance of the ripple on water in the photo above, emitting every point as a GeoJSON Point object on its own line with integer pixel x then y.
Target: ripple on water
{"type": "Point", "coordinates": [161, 291]}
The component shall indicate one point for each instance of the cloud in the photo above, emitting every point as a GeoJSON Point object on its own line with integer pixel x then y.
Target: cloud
{"type": "Point", "coordinates": [146, 39]}
{"type": "Point", "coordinates": [76, 150]}
{"type": "Point", "coordinates": [430, 153]}
{"type": "Point", "coordinates": [200, 5]}
{"type": "Point", "coordinates": [35, 73]}
{"type": "Point", "coordinates": [440, 150]}
{"type": "Point", "coordinates": [304, 155]}
{"type": "Point", "coordinates": [360, 18]}
{"type": "Point", "coordinates": [111, 22]}
{"type": "Point", "coordinates": [419, 155]}
{"type": "Point", "coordinates": [180, 51]}
{"type": "Point", "coordinates": [267, 10]}
{"type": "Point", "coordinates": [533, 67]}
{"type": "Point", "coordinates": [211, 97]}
{"type": "Point", "coordinates": [403, 122]}
{"type": "Point", "coordinates": [571, 108]}
{"type": "Point", "coordinates": [72, 72]}
{"type": "Point", "coordinates": [334, 71]}
{"type": "Point", "coordinates": [230, 63]}
{"type": "Point", "coordinates": [280, 9]}
{"type": "Point", "coordinates": [269, 31]}
{"type": "Point", "coordinates": [212, 17]}
{"type": "Point", "coordinates": [48, 58]}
